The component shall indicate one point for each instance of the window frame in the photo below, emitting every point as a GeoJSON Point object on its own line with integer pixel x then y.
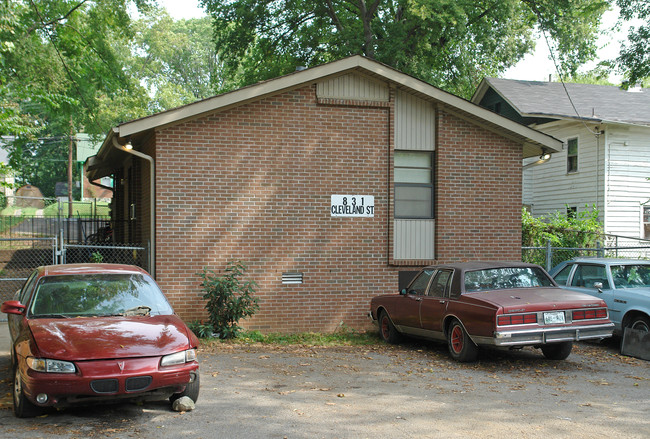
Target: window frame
{"type": "Point", "coordinates": [571, 167]}
{"type": "Point", "coordinates": [645, 221]}
{"type": "Point", "coordinates": [446, 293]}
{"type": "Point", "coordinates": [430, 186]}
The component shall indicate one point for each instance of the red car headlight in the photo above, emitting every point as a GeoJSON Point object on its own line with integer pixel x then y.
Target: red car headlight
{"type": "Point", "coordinates": [52, 366]}
{"type": "Point", "coordinates": [179, 358]}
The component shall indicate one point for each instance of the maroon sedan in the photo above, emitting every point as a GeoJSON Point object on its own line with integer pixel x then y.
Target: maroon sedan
{"type": "Point", "coordinates": [476, 304]}
{"type": "Point", "coordinates": [86, 333]}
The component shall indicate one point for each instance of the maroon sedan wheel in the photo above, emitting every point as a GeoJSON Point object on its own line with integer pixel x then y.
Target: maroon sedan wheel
{"type": "Point", "coordinates": [387, 330]}
{"type": "Point", "coordinates": [461, 347]}
{"type": "Point", "coordinates": [457, 339]}
{"type": "Point", "coordinates": [23, 408]}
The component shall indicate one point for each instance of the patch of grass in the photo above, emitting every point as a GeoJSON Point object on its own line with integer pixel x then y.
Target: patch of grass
{"type": "Point", "coordinates": [341, 337]}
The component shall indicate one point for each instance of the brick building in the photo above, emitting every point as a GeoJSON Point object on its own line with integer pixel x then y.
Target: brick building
{"type": "Point", "coordinates": [330, 184]}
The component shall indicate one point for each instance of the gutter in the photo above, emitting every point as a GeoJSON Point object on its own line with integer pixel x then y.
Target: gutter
{"type": "Point", "coordinates": [152, 212]}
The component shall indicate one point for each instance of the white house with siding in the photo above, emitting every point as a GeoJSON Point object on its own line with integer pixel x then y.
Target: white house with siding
{"type": "Point", "coordinates": [605, 159]}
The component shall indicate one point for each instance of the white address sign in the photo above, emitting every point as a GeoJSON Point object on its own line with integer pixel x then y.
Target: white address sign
{"type": "Point", "coordinates": [353, 205]}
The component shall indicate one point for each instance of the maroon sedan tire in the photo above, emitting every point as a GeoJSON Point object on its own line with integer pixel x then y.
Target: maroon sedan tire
{"type": "Point", "coordinates": [557, 351]}
{"type": "Point", "coordinates": [461, 347]}
{"type": "Point", "coordinates": [387, 330]}
{"type": "Point", "coordinates": [191, 390]}
{"type": "Point", "coordinates": [23, 408]}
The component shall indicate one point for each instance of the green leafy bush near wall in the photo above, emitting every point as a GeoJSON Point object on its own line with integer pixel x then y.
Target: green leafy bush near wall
{"type": "Point", "coordinates": [229, 299]}
{"type": "Point", "coordinates": [582, 230]}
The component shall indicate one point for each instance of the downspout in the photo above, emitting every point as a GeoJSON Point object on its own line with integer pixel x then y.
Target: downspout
{"type": "Point", "coordinates": [152, 212]}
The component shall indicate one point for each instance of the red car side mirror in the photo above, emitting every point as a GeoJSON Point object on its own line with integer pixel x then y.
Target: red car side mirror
{"type": "Point", "coordinates": [12, 307]}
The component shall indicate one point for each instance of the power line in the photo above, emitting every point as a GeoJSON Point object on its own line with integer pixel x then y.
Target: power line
{"type": "Point", "coordinates": [560, 76]}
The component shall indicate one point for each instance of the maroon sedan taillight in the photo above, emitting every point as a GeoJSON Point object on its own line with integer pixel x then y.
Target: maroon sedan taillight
{"type": "Point", "coordinates": [517, 319]}
{"type": "Point", "coordinates": [600, 313]}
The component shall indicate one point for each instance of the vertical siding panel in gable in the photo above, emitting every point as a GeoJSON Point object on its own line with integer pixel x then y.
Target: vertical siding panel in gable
{"type": "Point", "coordinates": [406, 247]}
{"type": "Point", "coordinates": [414, 123]}
{"type": "Point", "coordinates": [414, 130]}
{"type": "Point", "coordinates": [353, 87]}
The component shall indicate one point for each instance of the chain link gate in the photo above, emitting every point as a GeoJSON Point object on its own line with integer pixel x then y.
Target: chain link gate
{"type": "Point", "coordinates": [31, 236]}
{"type": "Point", "coordinates": [19, 257]}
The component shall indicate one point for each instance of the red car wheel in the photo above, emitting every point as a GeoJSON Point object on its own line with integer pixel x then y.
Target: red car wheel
{"type": "Point", "coordinates": [387, 330]}
{"type": "Point", "coordinates": [461, 347]}
{"type": "Point", "coordinates": [23, 408]}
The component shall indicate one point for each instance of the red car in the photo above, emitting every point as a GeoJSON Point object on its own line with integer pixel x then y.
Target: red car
{"type": "Point", "coordinates": [477, 304]}
{"type": "Point", "coordinates": [86, 333]}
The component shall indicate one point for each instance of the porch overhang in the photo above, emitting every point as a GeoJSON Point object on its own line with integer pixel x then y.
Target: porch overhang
{"type": "Point", "coordinates": [107, 160]}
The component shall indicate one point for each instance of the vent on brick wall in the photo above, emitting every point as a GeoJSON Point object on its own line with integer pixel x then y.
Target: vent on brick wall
{"type": "Point", "coordinates": [291, 278]}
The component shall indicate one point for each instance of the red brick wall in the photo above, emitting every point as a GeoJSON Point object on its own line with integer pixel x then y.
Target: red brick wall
{"type": "Point", "coordinates": [478, 208]}
{"type": "Point", "coordinates": [254, 183]}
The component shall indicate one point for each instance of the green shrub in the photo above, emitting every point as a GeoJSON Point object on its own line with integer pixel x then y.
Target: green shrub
{"type": "Point", "coordinates": [228, 298]}
{"type": "Point", "coordinates": [200, 329]}
{"type": "Point", "coordinates": [581, 231]}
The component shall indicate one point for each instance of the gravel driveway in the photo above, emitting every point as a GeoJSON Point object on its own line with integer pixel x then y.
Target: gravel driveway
{"type": "Point", "coordinates": [410, 391]}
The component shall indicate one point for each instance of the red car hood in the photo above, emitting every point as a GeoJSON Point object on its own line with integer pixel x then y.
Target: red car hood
{"type": "Point", "coordinates": [537, 299]}
{"type": "Point", "coordinates": [96, 338]}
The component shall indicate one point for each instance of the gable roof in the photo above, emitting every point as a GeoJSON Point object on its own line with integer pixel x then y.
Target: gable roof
{"type": "Point", "coordinates": [533, 141]}
{"type": "Point", "coordinates": [597, 103]}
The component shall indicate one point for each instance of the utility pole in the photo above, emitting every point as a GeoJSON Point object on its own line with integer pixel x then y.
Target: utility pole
{"type": "Point", "coordinates": [70, 176]}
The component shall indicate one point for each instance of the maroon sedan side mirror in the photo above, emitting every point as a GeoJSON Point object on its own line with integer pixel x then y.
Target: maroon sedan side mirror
{"type": "Point", "coordinates": [12, 307]}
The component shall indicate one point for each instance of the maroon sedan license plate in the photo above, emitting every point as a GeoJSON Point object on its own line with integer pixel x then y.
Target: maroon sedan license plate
{"type": "Point", "coordinates": [554, 318]}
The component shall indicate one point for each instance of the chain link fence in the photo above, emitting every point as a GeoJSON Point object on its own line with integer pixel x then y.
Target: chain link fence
{"type": "Point", "coordinates": [19, 257]}
{"type": "Point", "coordinates": [106, 253]}
{"type": "Point", "coordinates": [610, 246]}
{"type": "Point", "coordinates": [37, 231]}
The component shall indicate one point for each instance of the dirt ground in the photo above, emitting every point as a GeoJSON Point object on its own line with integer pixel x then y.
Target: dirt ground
{"type": "Point", "coordinates": [409, 391]}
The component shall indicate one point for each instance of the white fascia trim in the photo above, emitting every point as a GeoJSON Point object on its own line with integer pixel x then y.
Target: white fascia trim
{"type": "Point", "coordinates": [298, 79]}
{"type": "Point", "coordinates": [239, 96]}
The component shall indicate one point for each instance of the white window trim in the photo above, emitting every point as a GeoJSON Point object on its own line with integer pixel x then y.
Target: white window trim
{"type": "Point", "coordinates": [577, 138]}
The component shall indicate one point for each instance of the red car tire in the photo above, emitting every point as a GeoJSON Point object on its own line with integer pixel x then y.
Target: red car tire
{"type": "Point", "coordinates": [461, 347]}
{"type": "Point", "coordinates": [387, 330]}
{"type": "Point", "coordinates": [23, 408]}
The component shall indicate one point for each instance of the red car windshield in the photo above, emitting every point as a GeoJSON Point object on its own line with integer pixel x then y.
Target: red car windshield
{"type": "Point", "coordinates": [505, 278]}
{"type": "Point", "coordinates": [97, 295]}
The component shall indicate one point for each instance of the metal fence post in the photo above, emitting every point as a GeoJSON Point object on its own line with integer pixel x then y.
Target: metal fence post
{"type": "Point", "coordinates": [549, 255]}
{"type": "Point", "coordinates": [600, 252]}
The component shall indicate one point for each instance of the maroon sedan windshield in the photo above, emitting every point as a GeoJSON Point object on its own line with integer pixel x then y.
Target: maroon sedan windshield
{"type": "Point", "coordinates": [97, 295]}
{"type": "Point", "coordinates": [505, 278]}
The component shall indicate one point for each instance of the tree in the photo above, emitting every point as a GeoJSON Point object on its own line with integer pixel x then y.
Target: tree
{"type": "Point", "coordinates": [62, 73]}
{"type": "Point", "coordinates": [634, 59]}
{"type": "Point", "coordinates": [176, 60]}
{"type": "Point", "coordinates": [449, 43]}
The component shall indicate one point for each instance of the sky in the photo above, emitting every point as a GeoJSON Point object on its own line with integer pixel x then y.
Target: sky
{"type": "Point", "coordinates": [536, 66]}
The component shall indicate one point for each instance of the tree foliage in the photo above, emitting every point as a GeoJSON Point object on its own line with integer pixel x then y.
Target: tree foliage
{"type": "Point", "coordinates": [62, 73]}
{"type": "Point", "coordinates": [634, 58]}
{"type": "Point", "coordinates": [175, 60]}
{"type": "Point", "coordinates": [449, 43]}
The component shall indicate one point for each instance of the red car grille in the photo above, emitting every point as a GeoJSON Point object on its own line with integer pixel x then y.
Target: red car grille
{"type": "Point", "coordinates": [136, 384]}
{"type": "Point", "coordinates": [105, 386]}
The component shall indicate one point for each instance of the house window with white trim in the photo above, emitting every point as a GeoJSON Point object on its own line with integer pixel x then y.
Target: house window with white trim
{"type": "Point", "coordinates": [413, 184]}
{"type": "Point", "coordinates": [572, 155]}
{"type": "Point", "coordinates": [646, 222]}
